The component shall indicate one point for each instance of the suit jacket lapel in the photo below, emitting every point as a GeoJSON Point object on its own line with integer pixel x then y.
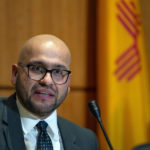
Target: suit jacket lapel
{"type": "Point", "coordinates": [69, 139]}
{"type": "Point", "coordinates": [13, 130]}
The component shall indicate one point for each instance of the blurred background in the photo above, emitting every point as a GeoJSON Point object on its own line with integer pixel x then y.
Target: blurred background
{"type": "Point", "coordinates": [81, 25]}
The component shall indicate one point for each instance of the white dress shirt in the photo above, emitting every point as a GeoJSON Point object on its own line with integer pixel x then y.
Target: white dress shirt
{"type": "Point", "coordinates": [30, 131]}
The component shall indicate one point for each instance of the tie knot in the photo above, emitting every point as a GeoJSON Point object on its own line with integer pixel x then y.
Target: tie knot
{"type": "Point", "coordinates": [42, 125]}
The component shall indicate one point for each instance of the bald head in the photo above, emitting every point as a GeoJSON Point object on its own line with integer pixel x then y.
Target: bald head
{"type": "Point", "coordinates": [44, 45]}
{"type": "Point", "coordinates": [42, 75]}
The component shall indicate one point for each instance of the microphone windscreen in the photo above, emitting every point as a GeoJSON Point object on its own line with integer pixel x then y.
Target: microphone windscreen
{"type": "Point", "coordinates": [94, 109]}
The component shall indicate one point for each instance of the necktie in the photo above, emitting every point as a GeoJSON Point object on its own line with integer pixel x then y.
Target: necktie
{"type": "Point", "coordinates": [44, 142]}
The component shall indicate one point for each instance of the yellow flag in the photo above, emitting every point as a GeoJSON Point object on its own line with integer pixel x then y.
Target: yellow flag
{"type": "Point", "coordinates": [123, 81]}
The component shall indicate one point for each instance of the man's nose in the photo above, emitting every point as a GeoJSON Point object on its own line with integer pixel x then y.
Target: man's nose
{"type": "Point", "coordinates": [47, 80]}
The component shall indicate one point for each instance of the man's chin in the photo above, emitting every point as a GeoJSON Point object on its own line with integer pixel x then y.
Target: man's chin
{"type": "Point", "coordinates": [42, 110]}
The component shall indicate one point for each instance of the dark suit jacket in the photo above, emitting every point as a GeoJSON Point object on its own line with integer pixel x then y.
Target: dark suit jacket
{"type": "Point", "coordinates": [11, 133]}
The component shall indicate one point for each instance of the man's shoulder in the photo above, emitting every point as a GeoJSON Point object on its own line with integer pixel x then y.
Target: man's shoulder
{"type": "Point", "coordinates": [69, 123]}
{"type": "Point", "coordinates": [72, 127]}
{"type": "Point", "coordinates": [85, 138]}
{"type": "Point", "coordinates": [2, 100]}
{"type": "Point", "coordinates": [6, 102]}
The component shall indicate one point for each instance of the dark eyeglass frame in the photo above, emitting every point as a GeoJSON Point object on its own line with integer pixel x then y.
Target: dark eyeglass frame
{"type": "Point", "coordinates": [46, 71]}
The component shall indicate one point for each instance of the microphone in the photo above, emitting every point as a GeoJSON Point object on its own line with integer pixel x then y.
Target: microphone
{"type": "Point", "coordinates": [94, 109]}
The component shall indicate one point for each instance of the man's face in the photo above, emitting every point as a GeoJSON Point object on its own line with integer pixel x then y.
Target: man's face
{"type": "Point", "coordinates": [41, 97]}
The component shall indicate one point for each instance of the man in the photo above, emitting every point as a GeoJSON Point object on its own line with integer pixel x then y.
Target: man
{"type": "Point", "coordinates": [28, 118]}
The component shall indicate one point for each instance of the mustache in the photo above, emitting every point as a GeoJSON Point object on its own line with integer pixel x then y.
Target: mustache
{"type": "Point", "coordinates": [44, 87]}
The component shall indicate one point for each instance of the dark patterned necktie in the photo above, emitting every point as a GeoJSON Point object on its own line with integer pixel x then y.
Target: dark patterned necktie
{"type": "Point", "coordinates": [44, 142]}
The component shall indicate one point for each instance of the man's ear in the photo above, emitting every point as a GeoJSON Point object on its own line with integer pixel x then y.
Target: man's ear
{"type": "Point", "coordinates": [69, 82]}
{"type": "Point", "coordinates": [68, 89]}
{"type": "Point", "coordinates": [14, 74]}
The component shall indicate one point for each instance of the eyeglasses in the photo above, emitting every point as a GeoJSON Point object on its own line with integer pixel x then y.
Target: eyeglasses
{"type": "Point", "coordinates": [37, 72]}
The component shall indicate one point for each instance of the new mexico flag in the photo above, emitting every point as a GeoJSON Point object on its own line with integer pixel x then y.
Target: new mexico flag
{"type": "Point", "coordinates": [123, 81]}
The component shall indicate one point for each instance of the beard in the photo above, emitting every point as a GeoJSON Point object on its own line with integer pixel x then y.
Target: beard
{"type": "Point", "coordinates": [25, 99]}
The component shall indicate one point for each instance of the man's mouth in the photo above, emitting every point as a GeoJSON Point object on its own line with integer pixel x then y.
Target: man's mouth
{"type": "Point", "coordinates": [44, 93]}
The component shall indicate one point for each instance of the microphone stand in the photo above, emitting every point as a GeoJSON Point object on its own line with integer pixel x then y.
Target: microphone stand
{"type": "Point", "coordinates": [94, 109]}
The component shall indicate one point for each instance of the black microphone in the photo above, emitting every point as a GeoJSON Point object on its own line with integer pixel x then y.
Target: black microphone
{"type": "Point", "coordinates": [94, 109]}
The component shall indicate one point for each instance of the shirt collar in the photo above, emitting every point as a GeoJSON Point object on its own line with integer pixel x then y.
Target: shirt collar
{"type": "Point", "coordinates": [29, 121]}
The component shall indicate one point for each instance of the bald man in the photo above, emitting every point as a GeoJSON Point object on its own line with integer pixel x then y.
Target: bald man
{"type": "Point", "coordinates": [28, 118]}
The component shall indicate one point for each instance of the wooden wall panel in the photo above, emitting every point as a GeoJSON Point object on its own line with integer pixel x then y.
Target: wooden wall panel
{"type": "Point", "coordinates": [74, 107]}
{"type": "Point", "coordinates": [145, 8]}
{"type": "Point", "coordinates": [4, 92]}
{"type": "Point", "coordinates": [19, 20]}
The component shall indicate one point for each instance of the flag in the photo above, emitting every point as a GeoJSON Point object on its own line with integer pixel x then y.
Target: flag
{"type": "Point", "coordinates": [123, 74]}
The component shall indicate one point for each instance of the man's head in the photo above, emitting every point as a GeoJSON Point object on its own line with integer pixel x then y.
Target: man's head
{"type": "Point", "coordinates": [42, 76]}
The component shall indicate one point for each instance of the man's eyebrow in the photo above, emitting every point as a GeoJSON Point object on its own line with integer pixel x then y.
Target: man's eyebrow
{"type": "Point", "coordinates": [44, 64]}
{"type": "Point", "coordinates": [32, 62]}
{"type": "Point", "coordinates": [36, 62]}
{"type": "Point", "coordinates": [59, 66]}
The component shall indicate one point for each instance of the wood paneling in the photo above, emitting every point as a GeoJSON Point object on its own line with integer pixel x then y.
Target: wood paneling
{"type": "Point", "coordinates": [5, 92]}
{"type": "Point", "coordinates": [74, 107]}
{"type": "Point", "coordinates": [19, 20]}
{"type": "Point", "coordinates": [145, 9]}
